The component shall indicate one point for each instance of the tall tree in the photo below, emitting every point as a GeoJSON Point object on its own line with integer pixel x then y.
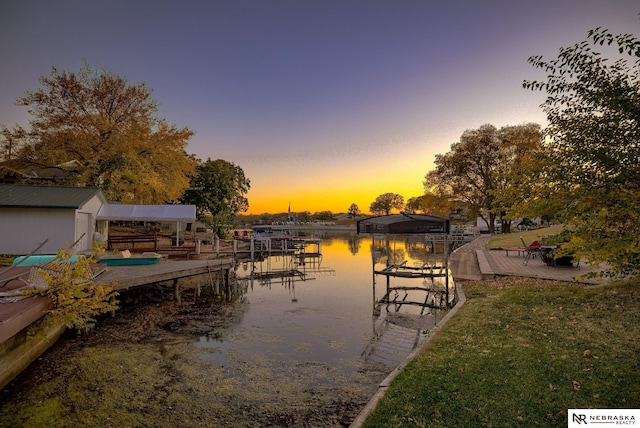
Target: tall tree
{"type": "Point", "coordinates": [12, 141]}
{"type": "Point", "coordinates": [109, 126]}
{"type": "Point", "coordinates": [478, 169]}
{"type": "Point", "coordinates": [218, 190]}
{"type": "Point", "coordinates": [467, 171]}
{"type": "Point", "coordinates": [387, 202]}
{"type": "Point", "coordinates": [593, 110]}
{"type": "Point", "coordinates": [353, 211]}
{"type": "Point", "coordinates": [522, 164]}
{"type": "Point", "coordinates": [438, 205]}
{"type": "Point", "coordinates": [413, 205]}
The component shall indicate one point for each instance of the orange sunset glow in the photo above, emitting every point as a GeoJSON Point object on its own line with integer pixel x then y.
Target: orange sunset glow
{"type": "Point", "coordinates": [336, 185]}
{"type": "Point", "coordinates": [321, 104]}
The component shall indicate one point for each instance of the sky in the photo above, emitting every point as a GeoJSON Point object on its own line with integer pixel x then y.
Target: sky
{"type": "Point", "coordinates": [321, 103]}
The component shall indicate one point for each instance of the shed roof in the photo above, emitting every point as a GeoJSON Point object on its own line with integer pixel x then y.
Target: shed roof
{"type": "Point", "coordinates": [147, 212]}
{"type": "Point", "coordinates": [26, 196]}
{"type": "Point", "coordinates": [403, 223]}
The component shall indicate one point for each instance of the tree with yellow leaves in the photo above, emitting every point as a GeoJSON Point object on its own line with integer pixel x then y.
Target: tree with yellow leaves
{"type": "Point", "coordinates": [110, 127]}
{"type": "Point", "coordinates": [76, 298]}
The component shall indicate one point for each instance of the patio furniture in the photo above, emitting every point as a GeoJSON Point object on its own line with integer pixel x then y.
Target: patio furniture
{"type": "Point", "coordinates": [518, 250]}
{"type": "Point", "coordinates": [531, 250]}
{"type": "Point", "coordinates": [546, 252]}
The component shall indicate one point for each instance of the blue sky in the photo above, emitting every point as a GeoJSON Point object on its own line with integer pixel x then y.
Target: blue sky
{"type": "Point", "coordinates": [322, 103]}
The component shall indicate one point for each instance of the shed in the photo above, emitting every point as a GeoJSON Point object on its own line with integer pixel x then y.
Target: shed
{"type": "Point", "coordinates": [29, 215]}
{"type": "Point", "coordinates": [403, 224]}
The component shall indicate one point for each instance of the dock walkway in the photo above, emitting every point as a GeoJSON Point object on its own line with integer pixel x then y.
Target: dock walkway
{"type": "Point", "coordinates": [135, 276]}
{"type": "Point", "coordinates": [20, 314]}
{"type": "Point", "coordinates": [16, 352]}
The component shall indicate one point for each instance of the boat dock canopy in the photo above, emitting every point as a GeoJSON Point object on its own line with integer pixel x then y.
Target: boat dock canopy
{"type": "Point", "coordinates": [185, 213]}
{"type": "Point", "coordinates": [403, 223]}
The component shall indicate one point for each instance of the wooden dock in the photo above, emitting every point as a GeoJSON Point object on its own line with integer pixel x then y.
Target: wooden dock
{"type": "Point", "coordinates": [128, 277]}
{"type": "Point", "coordinates": [16, 352]}
{"type": "Point", "coordinates": [260, 247]}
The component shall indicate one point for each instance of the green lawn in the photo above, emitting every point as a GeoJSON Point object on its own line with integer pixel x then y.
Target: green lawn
{"type": "Point", "coordinates": [513, 239]}
{"type": "Point", "coordinates": [521, 352]}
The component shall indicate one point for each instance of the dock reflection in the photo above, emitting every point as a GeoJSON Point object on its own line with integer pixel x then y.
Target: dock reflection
{"type": "Point", "coordinates": [286, 269]}
{"type": "Point", "coordinates": [412, 291]}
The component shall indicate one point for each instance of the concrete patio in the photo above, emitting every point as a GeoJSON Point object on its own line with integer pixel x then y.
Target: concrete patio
{"type": "Point", "coordinates": [473, 262]}
{"type": "Point", "coordinates": [497, 263]}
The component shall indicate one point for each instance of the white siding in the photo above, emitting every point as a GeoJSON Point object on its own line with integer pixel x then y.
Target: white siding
{"type": "Point", "coordinates": [93, 206]}
{"type": "Point", "coordinates": [23, 229]}
{"type": "Point", "coordinates": [85, 223]}
{"type": "Point", "coordinates": [84, 231]}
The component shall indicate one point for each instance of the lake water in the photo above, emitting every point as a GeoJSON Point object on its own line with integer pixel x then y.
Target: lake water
{"type": "Point", "coordinates": [328, 310]}
{"type": "Point", "coordinates": [306, 349]}
{"type": "Point", "coordinates": [332, 320]}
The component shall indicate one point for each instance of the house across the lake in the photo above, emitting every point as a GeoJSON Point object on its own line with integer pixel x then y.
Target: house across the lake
{"type": "Point", "coordinates": [69, 217]}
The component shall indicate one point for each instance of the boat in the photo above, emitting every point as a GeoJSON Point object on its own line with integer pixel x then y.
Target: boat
{"type": "Point", "coordinates": [125, 258]}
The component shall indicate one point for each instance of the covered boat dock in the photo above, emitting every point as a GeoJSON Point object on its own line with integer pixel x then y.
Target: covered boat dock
{"type": "Point", "coordinates": [408, 224]}
{"type": "Point", "coordinates": [404, 223]}
{"type": "Point", "coordinates": [426, 295]}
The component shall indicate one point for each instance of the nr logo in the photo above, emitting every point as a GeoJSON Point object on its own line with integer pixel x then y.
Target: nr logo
{"type": "Point", "coordinates": [579, 419]}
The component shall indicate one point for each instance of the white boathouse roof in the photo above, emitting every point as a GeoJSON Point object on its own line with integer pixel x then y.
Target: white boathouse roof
{"type": "Point", "coordinates": [186, 213]}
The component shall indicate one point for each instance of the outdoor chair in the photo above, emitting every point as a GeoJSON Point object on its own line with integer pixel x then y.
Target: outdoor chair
{"type": "Point", "coordinates": [531, 250]}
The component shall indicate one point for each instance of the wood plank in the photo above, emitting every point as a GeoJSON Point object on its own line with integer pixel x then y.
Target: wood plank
{"type": "Point", "coordinates": [135, 276]}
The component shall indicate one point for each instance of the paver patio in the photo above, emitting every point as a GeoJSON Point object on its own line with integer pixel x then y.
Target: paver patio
{"type": "Point", "coordinates": [476, 263]}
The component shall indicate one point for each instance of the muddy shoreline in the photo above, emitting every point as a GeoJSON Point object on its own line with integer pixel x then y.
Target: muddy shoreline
{"type": "Point", "coordinates": [140, 369]}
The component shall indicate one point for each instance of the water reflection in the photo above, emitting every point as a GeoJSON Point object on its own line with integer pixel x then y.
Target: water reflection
{"type": "Point", "coordinates": [287, 341]}
{"type": "Point", "coordinates": [316, 306]}
{"type": "Point", "coordinates": [412, 291]}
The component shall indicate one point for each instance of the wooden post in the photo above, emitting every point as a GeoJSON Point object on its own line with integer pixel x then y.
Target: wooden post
{"type": "Point", "coordinates": [227, 285]}
{"type": "Point", "coordinates": [446, 266]}
{"type": "Point", "coordinates": [176, 290]}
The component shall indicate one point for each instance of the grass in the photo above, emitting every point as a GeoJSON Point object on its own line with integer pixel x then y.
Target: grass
{"type": "Point", "coordinates": [521, 352]}
{"type": "Point", "coordinates": [512, 239]}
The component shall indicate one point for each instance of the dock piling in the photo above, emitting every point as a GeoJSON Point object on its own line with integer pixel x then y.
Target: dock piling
{"type": "Point", "coordinates": [176, 290]}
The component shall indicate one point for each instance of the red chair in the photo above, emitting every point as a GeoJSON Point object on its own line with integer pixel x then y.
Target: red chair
{"type": "Point", "coordinates": [531, 250]}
